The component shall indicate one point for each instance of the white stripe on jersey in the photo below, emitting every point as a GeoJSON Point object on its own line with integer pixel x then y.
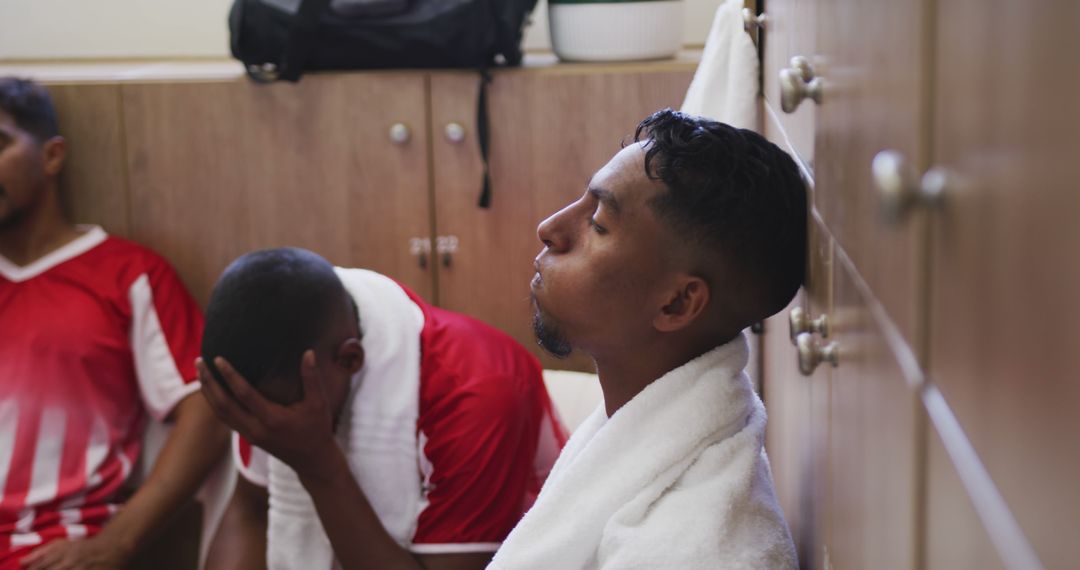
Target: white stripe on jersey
{"type": "Point", "coordinates": [70, 516]}
{"type": "Point", "coordinates": [9, 417]}
{"type": "Point", "coordinates": [160, 381]}
{"type": "Point", "coordinates": [21, 539]}
{"type": "Point", "coordinates": [125, 464]}
{"type": "Point", "coordinates": [45, 477]}
{"type": "Point", "coordinates": [97, 450]}
{"type": "Point", "coordinates": [75, 530]}
{"type": "Point", "coordinates": [26, 520]}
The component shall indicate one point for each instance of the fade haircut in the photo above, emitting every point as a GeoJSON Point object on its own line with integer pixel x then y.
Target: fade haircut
{"type": "Point", "coordinates": [736, 198]}
{"type": "Point", "coordinates": [30, 106]}
{"type": "Point", "coordinates": [266, 310]}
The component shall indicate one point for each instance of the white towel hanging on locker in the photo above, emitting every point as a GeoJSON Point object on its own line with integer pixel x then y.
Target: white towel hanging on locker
{"type": "Point", "coordinates": [725, 86]}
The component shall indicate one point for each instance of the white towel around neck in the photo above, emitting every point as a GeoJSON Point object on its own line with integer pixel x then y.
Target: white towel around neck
{"type": "Point", "coordinates": [725, 86]}
{"type": "Point", "coordinates": [377, 430]}
{"type": "Point", "coordinates": [676, 478]}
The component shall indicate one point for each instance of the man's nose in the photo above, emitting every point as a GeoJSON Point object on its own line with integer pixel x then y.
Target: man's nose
{"type": "Point", "coordinates": [552, 231]}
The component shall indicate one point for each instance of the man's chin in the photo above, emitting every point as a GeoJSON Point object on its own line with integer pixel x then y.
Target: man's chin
{"type": "Point", "coordinates": [548, 333]}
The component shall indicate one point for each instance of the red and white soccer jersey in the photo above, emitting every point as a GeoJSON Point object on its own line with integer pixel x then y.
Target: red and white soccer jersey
{"type": "Point", "coordinates": [92, 336]}
{"type": "Point", "coordinates": [486, 433]}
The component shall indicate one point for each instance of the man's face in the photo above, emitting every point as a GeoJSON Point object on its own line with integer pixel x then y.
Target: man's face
{"type": "Point", "coordinates": [605, 258]}
{"type": "Point", "coordinates": [22, 171]}
{"type": "Point", "coordinates": [332, 360]}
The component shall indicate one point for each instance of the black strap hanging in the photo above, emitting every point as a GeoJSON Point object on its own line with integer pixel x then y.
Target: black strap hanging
{"type": "Point", "coordinates": [482, 135]}
{"type": "Point", "coordinates": [301, 37]}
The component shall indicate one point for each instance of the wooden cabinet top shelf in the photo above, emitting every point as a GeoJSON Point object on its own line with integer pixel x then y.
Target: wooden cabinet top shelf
{"type": "Point", "coordinates": [154, 71]}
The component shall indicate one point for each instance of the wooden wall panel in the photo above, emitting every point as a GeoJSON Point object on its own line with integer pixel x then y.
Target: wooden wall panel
{"type": "Point", "coordinates": [221, 168]}
{"type": "Point", "coordinates": [874, 435]}
{"type": "Point", "coordinates": [871, 56]}
{"type": "Point", "coordinates": [93, 185]}
{"type": "Point", "coordinates": [550, 131]}
{"type": "Point", "coordinates": [1005, 309]}
{"type": "Point", "coordinates": [789, 438]}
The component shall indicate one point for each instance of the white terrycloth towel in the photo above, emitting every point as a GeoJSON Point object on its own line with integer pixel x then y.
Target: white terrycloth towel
{"type": "Point", "coordinates": [676, 478]}
{"type": "Point", "coordinates": [377, 430]}
{"type": "Point", "coordinates": [725, 86]}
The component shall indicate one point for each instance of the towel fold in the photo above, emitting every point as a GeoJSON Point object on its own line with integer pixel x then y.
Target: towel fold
{"type": "Point", "coordinates": [377, 430]}
{"type": "Point", "coordinates": [676, 478]}
{"type": "Point", "coordinates": [725, 85]}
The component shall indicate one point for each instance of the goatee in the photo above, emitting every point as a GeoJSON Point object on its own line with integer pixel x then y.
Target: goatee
{"type": "Point", "coordinates": [548, 335]}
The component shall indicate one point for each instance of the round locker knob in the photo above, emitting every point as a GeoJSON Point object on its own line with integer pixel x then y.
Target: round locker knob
{"type": "Point", "coordinates": [455, 132]}
{"type": "Point", "coordinates": [811, 353]}
{"type": "Point", "coordinates": [798, 83]}
{"type": "Point", "coordinates": [899, 190]}
{"type": "Point", "coordinates": [800, 322]}
{"type": "Point", "coordinates": [400, 133]}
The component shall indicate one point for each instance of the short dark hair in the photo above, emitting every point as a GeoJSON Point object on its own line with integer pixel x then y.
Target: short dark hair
{"type": "Point", "coordinates": [266, 310]}
{"type": "Point", "coordinates": [30, 106]}
{"type": "Point", "coordinates": [731, 192]}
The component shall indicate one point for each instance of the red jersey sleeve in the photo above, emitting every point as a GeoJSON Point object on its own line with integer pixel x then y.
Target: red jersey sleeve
{"type": "Point", "coordinates": [478, 462]}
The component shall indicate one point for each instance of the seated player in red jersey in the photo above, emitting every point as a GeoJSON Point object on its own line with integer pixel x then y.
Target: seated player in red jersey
{"type": "Point", "coordinates": [95, 333]}
{"type": "Point", "coordinates": [416, 437]}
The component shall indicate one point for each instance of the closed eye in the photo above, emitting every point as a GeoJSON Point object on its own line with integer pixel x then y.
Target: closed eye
{"type": "Point", "coordinates": [597, 227]}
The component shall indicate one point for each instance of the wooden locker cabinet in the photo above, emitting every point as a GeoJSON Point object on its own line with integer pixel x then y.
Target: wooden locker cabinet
{"type": "Point", "coordinates": [206, 170]}
{"type": "Point", "coordinates": [950, 415]}
{"type": "Point", "coordinates": [94, 178]}
{"type": "Point", "coordinates": [217, 169]}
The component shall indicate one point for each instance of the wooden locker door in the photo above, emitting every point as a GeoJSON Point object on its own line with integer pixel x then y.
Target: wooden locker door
{"type": "Point", "coordinates": [955, 537]}
{"type": "Point", "coordinates": [874, 437]}
{"type": "Point", "coordinates": [551, 129]}
{"type": "Point", "coordinates": [797, 435]}
{"type": "Point", "coordinates": [786, 394]}
{"type": "Point", "coordinates": [218, 169]}
{"type": "Point", "coordinates": [1006, 271]}
{"type": "Point", "coordinates": [871, 56]}
{"type": "Point", "coordinates": [788, 31]}
{"type": "Point", "coordinates": [820, 302]}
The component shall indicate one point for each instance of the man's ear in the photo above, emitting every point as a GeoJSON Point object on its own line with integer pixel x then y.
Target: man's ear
{"type": "Point", "coordinates": [685, 302]}
{"type": "Point", "coordinates": [54, 154]}
{"type": "Point", "coordinates": [351, 355]}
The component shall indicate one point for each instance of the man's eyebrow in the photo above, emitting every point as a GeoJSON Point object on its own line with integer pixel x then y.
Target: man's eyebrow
{"type": "Point", "coordinates": [606, 197]}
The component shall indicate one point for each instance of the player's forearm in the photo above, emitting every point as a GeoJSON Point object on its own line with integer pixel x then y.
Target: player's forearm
{"type": "Point", "coordinates": [359, 540]}
{"type": "Point", "coordinates": [195, 445]}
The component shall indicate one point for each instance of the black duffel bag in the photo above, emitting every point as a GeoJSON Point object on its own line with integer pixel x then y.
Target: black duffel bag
{"type": "Point", "coordinates": [280, 39]}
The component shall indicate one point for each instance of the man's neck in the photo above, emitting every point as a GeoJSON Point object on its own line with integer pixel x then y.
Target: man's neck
{"type": "Point", "coordinates": [625, 373]}
{"type": "Point", "coordinates": [38, 234]}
